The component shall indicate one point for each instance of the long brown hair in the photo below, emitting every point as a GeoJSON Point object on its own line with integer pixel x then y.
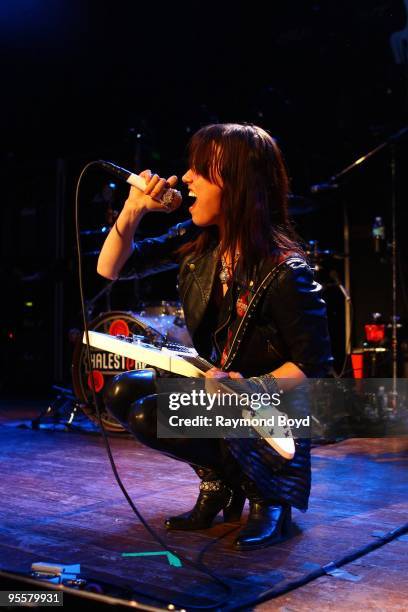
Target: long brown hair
{"type": "Point", "coordinates": [254, 199]}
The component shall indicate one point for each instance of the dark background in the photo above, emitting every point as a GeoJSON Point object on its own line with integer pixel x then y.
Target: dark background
{"type": "Point", "coordinates": [130, 82]}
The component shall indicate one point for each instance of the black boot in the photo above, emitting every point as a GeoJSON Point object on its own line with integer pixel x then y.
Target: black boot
{"type": "Point", "coordinates": [269, 522]}
{"type": "Point", "coordinates": [214, 496]}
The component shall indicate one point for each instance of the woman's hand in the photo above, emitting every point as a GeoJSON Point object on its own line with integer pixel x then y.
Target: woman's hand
{"type": "Point", "coordinates": [150, 199]}
{"type": "Point", "coordinates": [214, 374]}
{"type": "Point", "coordinates": [217, 373]}
{"type": "Point", "coordinates": [118, 245]}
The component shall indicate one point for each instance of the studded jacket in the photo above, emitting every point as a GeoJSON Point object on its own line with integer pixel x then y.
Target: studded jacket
{"type": "Point", "coordinates": [283, 318]}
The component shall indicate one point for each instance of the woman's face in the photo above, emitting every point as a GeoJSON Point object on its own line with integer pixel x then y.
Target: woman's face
{"type": "Point", "coordinates": [206, 209]}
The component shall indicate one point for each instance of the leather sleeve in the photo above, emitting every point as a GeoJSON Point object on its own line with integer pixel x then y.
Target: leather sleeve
{"type": "Point", "coordinates": [295, 305]}
{"type": "Point", "coordinates": [158, 254]}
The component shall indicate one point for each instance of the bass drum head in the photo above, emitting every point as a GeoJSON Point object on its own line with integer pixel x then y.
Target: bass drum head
{"type": "Point", "coordinates": [105, 365]}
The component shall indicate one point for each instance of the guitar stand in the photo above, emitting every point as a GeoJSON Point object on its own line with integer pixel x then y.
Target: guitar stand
{"type": "Point", "coordinates": [61, 413]}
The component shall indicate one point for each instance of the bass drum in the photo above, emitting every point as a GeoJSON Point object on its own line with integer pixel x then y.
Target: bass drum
{"type": "Point", "coordinates": [106, 365]}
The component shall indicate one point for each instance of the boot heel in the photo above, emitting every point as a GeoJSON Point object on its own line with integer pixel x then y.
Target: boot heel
{"type": "Point", "coordinates": [286, 528]}
{"type": "Point", "coordinates": [213, 497]}
{"type": "Point", "coordinates": [232, 513]}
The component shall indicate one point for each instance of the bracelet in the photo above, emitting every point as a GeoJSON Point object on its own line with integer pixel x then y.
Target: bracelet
{"type": "Point", "coordinates": [268, 382]}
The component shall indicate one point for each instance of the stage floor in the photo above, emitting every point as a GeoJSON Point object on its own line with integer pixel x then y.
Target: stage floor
{"type": "Point", "coordinates": [60, 503]}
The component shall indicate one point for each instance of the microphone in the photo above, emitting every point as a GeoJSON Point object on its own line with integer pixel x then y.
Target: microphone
{"type": "Point", "coordinates": [169, 196]}
{"type": "Point", "coordinates": [335, 277]}
{"type": "Point", "coordinates": [320, 187]}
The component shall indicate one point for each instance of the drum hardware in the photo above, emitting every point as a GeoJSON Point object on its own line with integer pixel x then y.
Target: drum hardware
{"type": "Point", "coordinates": [315, 253]}
{"type": "Point", "coordinates": [167, 319]}
{"type": "Point", "coordinates": [365, 361]}
{"type": "Point", "coordinates": [318, 257]}
{"type": "Point", "coordinates": [375, 352]}
{"type": "Point", "coordinates": [105, 198]}
{"type": "Point", "coordinates": [62, 413]}
{"type": "Point", "coordinates": [103, 201]}
{"type": "Point", "coordinates": [95, 233]}
{"type": "Point", "coordinates": [93, 239]}
{"type": "Point", "coordinates": [105, 291]}
{"type": "Point", "coordinates": [335, 183]}
{"type": "Point", "coordinates": [137, 338]}
{"type": "Point", "coordinates": [344, 408]}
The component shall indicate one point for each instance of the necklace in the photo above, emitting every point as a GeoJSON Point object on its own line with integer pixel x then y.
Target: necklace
{"type": "Point", "coordinates": [226, 272]}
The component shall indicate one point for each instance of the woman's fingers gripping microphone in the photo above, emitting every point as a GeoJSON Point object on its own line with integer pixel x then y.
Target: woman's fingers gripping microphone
{"type": "Point", "coordinates": [159, 187]}
{"type": "Point", "coordinates": [163, 192]}
{"type": "Point", "coordinates": [152, 184]}
{"type": "Point", "coordinates": [136, 197]}
{"type": "Point", "coordinates": [147, 175]}
{"type": "Point", "coordinates": [171, 199]}
{"type": "Point", "coordinates": [159, 194]}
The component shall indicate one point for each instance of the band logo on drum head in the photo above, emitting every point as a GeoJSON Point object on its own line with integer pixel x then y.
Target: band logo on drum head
{"type": "Point", "coordinates": [111, 364]}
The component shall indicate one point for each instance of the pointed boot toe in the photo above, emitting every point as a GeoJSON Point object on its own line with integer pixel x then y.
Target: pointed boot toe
{"type": "Point", "coordinates": [267, 525]}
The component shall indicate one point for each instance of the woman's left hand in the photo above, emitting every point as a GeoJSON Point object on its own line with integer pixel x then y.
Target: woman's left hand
{"type": "Point", "coordinates": [235, 375]}
{"type": "Point", "coordinates": [217, 373]}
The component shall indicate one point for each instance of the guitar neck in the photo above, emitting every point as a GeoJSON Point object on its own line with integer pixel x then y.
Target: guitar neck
{"type": "Point", "coordinates": [184, 362]}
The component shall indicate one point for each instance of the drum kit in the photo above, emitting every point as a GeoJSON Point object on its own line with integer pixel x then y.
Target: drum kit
{"type": "Point", "coordinates": [153, 323]}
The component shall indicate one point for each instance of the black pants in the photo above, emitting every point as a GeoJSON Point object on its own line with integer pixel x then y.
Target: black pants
{"type": "Point", "coordinates": [131, 400]}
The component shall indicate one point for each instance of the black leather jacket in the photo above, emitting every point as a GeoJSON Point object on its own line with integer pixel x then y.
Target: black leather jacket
{"type": "Point", "coordinates": [285, 319]}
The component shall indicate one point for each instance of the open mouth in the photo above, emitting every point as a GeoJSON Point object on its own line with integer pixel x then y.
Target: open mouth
{"type": "Point", "coordinates": [193, 196]}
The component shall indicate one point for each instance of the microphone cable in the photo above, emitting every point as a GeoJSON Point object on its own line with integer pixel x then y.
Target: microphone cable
{"type": "Point", "coordinates": [195, 565]}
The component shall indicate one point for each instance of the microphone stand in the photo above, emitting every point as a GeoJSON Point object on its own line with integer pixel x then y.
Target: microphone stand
{"type": "Point", "coordinates": [106, 290]}
{"type": "Point", "coordinates": [333, 183]}
{"type": "Point", "coordinates": [361, 160]}
{"type": "Point", "coordinates": [394, 341]}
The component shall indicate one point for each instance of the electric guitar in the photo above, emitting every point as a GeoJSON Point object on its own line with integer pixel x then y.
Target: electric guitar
{"type": "Point", "coordinates": [185, 361]}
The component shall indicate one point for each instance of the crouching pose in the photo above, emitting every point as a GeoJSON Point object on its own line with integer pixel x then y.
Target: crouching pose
{"type": "Point", "coordinates": [252, 309]}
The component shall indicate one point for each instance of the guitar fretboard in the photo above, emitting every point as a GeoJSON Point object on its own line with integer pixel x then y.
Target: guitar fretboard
{"type": "Point", "coordinates": [171, 357]}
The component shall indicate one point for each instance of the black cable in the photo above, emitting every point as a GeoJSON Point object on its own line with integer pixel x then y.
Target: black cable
{"type": "Point", "coordinates": [321, 571]}
{"type": "Point", "coordinates": [198, 566]}
{"type": "Point", "coordinates": [212, 543]}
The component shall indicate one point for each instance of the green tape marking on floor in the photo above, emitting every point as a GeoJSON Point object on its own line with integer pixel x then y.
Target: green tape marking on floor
{"type": "Point", "coordinates": [172, 559]}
